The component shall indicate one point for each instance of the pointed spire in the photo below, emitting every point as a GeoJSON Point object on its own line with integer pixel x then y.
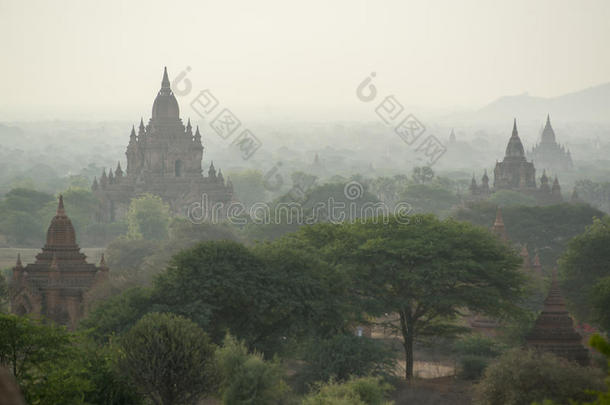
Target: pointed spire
{"type": "Point", "coordinates": [103, 179]}
{"type": "Point", "coordinates": [95, 185]}
{"type": "Point", "coordinates": [197, 134]}
{"type": "Point", "coordinates": [165, 81]}
{"type": "Point", "coordinates": [118, 172]}
{"type": "Point", "coordinates": [110, 177]}
{"type": "Point", "coordinates": [133, 132]}
{"type": "Point", "coordinates": [514, 148]}
{"type": "Point", "coordinates": [220, 177]}
{"type": "Point", "coordinates": [548, 120]}
{"type": "Point", "coordinates": [60, 206]}
{"type": "Point", "coordinates": [556, 189]}
{"type": "Point", "coordinates": [212, 170]}
{"type": "Point", "coordinates": [19, 265]}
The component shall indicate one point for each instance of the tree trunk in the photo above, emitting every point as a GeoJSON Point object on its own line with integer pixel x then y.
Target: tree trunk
{"type": "Point", "coordinates": [406, 327]}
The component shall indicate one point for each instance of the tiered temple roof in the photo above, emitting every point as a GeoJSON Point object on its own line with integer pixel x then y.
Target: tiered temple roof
{"type": "Point", "coordinates": [54, 286]}
{"type": "Point", "coordinates": [554, 329]}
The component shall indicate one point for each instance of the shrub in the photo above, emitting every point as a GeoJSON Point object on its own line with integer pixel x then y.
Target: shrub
{"type": "Point", "coordinates": [525, 376]}
{"type": "Point", "coordinates": [471, 367]}
{"type": "Point", "coordinates": [360, 391]}
{"type": "Point", "coordinates": [246, 378]}
{"type": "Point", "coordinates": [343, 356]}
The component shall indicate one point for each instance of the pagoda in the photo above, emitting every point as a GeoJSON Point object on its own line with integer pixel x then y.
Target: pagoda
{"type": "Point", "coordinates": [163, 158]}
{"type": "Point", "coordinates": [554, 329]}
{"type": "Point", "coordinates": [55, 285]}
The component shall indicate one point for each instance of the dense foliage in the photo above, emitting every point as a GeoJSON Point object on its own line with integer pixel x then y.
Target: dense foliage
{"type": "Point", "coordinates": [586, 262]}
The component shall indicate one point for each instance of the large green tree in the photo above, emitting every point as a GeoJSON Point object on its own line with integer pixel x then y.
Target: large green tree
{"type": "Point", "coordinates": [170, 359]}
{"type": "Point", "coordinates": [585, 262]}
{"type": "Point", "coordinates": [425, 271]}
{"type": "Point", "coordinates": [262, 295]}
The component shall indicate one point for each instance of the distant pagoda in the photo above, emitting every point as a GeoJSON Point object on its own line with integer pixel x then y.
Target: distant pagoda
{"type": "Point", "coordinates": [554, 329]}
{"type": "Point", "coordinates": [56, 285]}
{"type": "Point", "coordinates": [516, 173]}
{"type": "Point", "coordinates": [549, 154]}
{"type": "Point", "coordinates": [164, 159]}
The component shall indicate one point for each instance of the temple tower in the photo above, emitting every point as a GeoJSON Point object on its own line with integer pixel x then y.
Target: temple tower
{"type": "Point", "coordinates": [55, 285]}
{"type": "Point", "coordinates": [554, 329]}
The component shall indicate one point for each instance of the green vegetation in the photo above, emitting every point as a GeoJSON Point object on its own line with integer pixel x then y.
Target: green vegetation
{"type": "Point", "coordinates": [169, 359]}
{"type": "Point", "coordinates": [585, 263]}
{"type": "Point", "coordinates": [524, 376]}
{"type": "Point", "coordinates": [359, 391]}
{"type": "Point", "coordinates": [148, 218]}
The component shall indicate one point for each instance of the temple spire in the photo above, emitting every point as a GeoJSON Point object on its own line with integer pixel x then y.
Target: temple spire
{"type": "Point", "coordinates": [515, 132]}
{"type": "Point", "coordinates": [60, 206]}
{"type": "Point", "coordinates": [19, 264]}
{"type": "Point", "coordinates": [165, 81]}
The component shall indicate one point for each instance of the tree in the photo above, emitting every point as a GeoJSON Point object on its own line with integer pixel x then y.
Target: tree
{"type": "Point", "coordinates": [261, 295]}
{"type": "Point", "coordinates": [246, 378]}
{"type": "Point", "coordinates": [117, 314]}
{"type": "Point", "coordinates": [44, 361]}
{"type": "Point", "coordinates": [585, 262]}
{"type": "Point", "coordinates": [25, 343]}
{"type": "Point", "coordinates": [170, 359]}
{"type": "Point", "coordinates": [524, 376]}
{"type": "Point", "coordinates": [423, 174]}
{"type": "Point", "coordinates": [429, 198]}
{"type": "Point", "coordinates": [3, 293]}
{"type": "Point", "coordinates": [425, 271]}
{"type": "Point", "coordinates": [547, 229]}
{"type": "Point", "coordinates": [148, 218]}
{"type": "Point", "coordinates": [600, 303]}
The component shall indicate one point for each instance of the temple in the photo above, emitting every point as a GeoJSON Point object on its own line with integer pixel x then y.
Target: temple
{"type": "Point", "coordinates": [554, 329]}
{"type": "Point", "coordinates": [55, 286]}
{"type": "Point", "coordinates": [515, 173]}
{"type": "Point", "coordinates": [164, 159]}
{"type": "Point", "coordinates": [549, 154]}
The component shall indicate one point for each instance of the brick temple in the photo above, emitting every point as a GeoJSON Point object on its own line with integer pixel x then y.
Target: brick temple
{"type": "Point", "coordinates": [55, 286]}
{"type": "Point", "coordinates": [554, 329]}
{"type": "Point", "coordinates": [164, 159]}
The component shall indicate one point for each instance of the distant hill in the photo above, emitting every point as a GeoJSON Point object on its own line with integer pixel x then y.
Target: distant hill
{"type": "Point", "coordinates": [588, 105]}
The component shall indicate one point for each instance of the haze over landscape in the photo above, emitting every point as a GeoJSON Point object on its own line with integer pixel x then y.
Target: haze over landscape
{"type": "Point", "coordinates": [304, 203]}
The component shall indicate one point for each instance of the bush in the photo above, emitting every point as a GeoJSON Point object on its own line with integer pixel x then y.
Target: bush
{"type": "Point", "coordinates": [344, 356]}
{"type": "Point", "coordinates": [360, 391]}
{"type": "Point", "coordinates": [475, 352]}
{"type": "Point", "coordinates": [471, 367]}
{"type": "Point", "coordinates": [525, 376]}
{"type": "Point", "coordinates": [246, 378]}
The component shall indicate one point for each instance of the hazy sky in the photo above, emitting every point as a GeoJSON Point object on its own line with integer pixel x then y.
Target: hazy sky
{"type": "Point", "coordinates": [104, 59]}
